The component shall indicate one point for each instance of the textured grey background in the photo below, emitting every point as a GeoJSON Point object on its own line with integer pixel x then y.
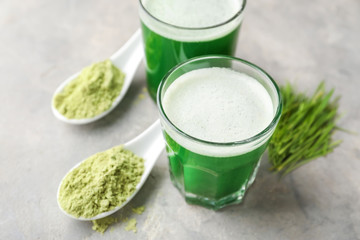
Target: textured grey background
{"type": "Point", "coordinates": [43, 42]}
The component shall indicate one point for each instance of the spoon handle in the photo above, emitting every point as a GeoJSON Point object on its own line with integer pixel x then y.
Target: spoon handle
{"type": "Point", "coordinates": [148, 144]}
{"type": "Point", "coordinates": [131, 53]}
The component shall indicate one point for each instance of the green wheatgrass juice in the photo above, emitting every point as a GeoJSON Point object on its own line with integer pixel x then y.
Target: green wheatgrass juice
{"type": "Point", "coordinates": [216, 105]}
{"type": "Point", "coordinates": [174, 31]}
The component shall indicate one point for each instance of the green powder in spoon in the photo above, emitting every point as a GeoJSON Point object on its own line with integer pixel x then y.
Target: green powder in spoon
{"type": "Point", "coordinates": [101, 183]}
{"type": "Point", "coordinates": [92, 92]}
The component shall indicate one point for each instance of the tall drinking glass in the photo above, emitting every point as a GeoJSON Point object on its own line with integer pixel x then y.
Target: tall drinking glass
{"type": "Point", "coordinates": [177, 30]}
{"type": "Point", "coordinates": [208, 172]}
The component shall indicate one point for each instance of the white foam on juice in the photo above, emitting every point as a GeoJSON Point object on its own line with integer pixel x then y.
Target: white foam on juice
{"type": "Point", "coordinates": [191, 14]}
{"type": "Point", "coordinates": [218, 105]}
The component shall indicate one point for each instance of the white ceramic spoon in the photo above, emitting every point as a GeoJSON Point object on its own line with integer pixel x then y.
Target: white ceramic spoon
{"type": "Point", "coordinates": [127, 59]}
{"type": "Point", "coordinates": [147, 145]}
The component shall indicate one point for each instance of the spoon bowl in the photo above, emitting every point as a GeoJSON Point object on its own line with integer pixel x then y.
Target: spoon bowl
{"type": "Point", "coordinates": [127, 59]}
{"type": "Point", "coordinates": [147, 145]}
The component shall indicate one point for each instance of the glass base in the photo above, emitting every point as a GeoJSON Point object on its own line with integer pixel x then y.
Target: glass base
{"type": "Point", "coordinates": [216, 204]}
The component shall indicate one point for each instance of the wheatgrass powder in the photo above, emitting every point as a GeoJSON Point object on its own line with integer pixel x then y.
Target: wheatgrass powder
{"type": "Point", "coordinates": [131, 225]}
{"type": "Point", "coordinates": [138, 210]}
{"type": "Point", "coordinates": [100, 225]}
{"type": "Point", "coordinates": [101, 183]}
{"type": "Point", "coordinates": [92, 92]}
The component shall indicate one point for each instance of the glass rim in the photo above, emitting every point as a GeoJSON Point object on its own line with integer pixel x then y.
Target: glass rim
{"type": "Point", "coordinates": [257, 136]}
{"type": "Point", "coordinates": [238, 13]}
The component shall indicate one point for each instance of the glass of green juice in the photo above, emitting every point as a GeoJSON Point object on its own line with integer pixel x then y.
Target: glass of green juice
{"type": "Point", "coordinates": [217, 114]}
{"type": "Point", "coordinates": [177, 30]}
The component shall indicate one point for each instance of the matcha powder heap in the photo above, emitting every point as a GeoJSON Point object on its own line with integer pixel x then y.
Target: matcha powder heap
{"type": "Point", "coordinates": [101, 183]}
{"type": "Point", "coordinates": [91, 93]}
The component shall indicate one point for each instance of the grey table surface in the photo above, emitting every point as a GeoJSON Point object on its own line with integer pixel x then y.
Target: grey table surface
{"type": "Point", "coordinates": [43, 42]}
